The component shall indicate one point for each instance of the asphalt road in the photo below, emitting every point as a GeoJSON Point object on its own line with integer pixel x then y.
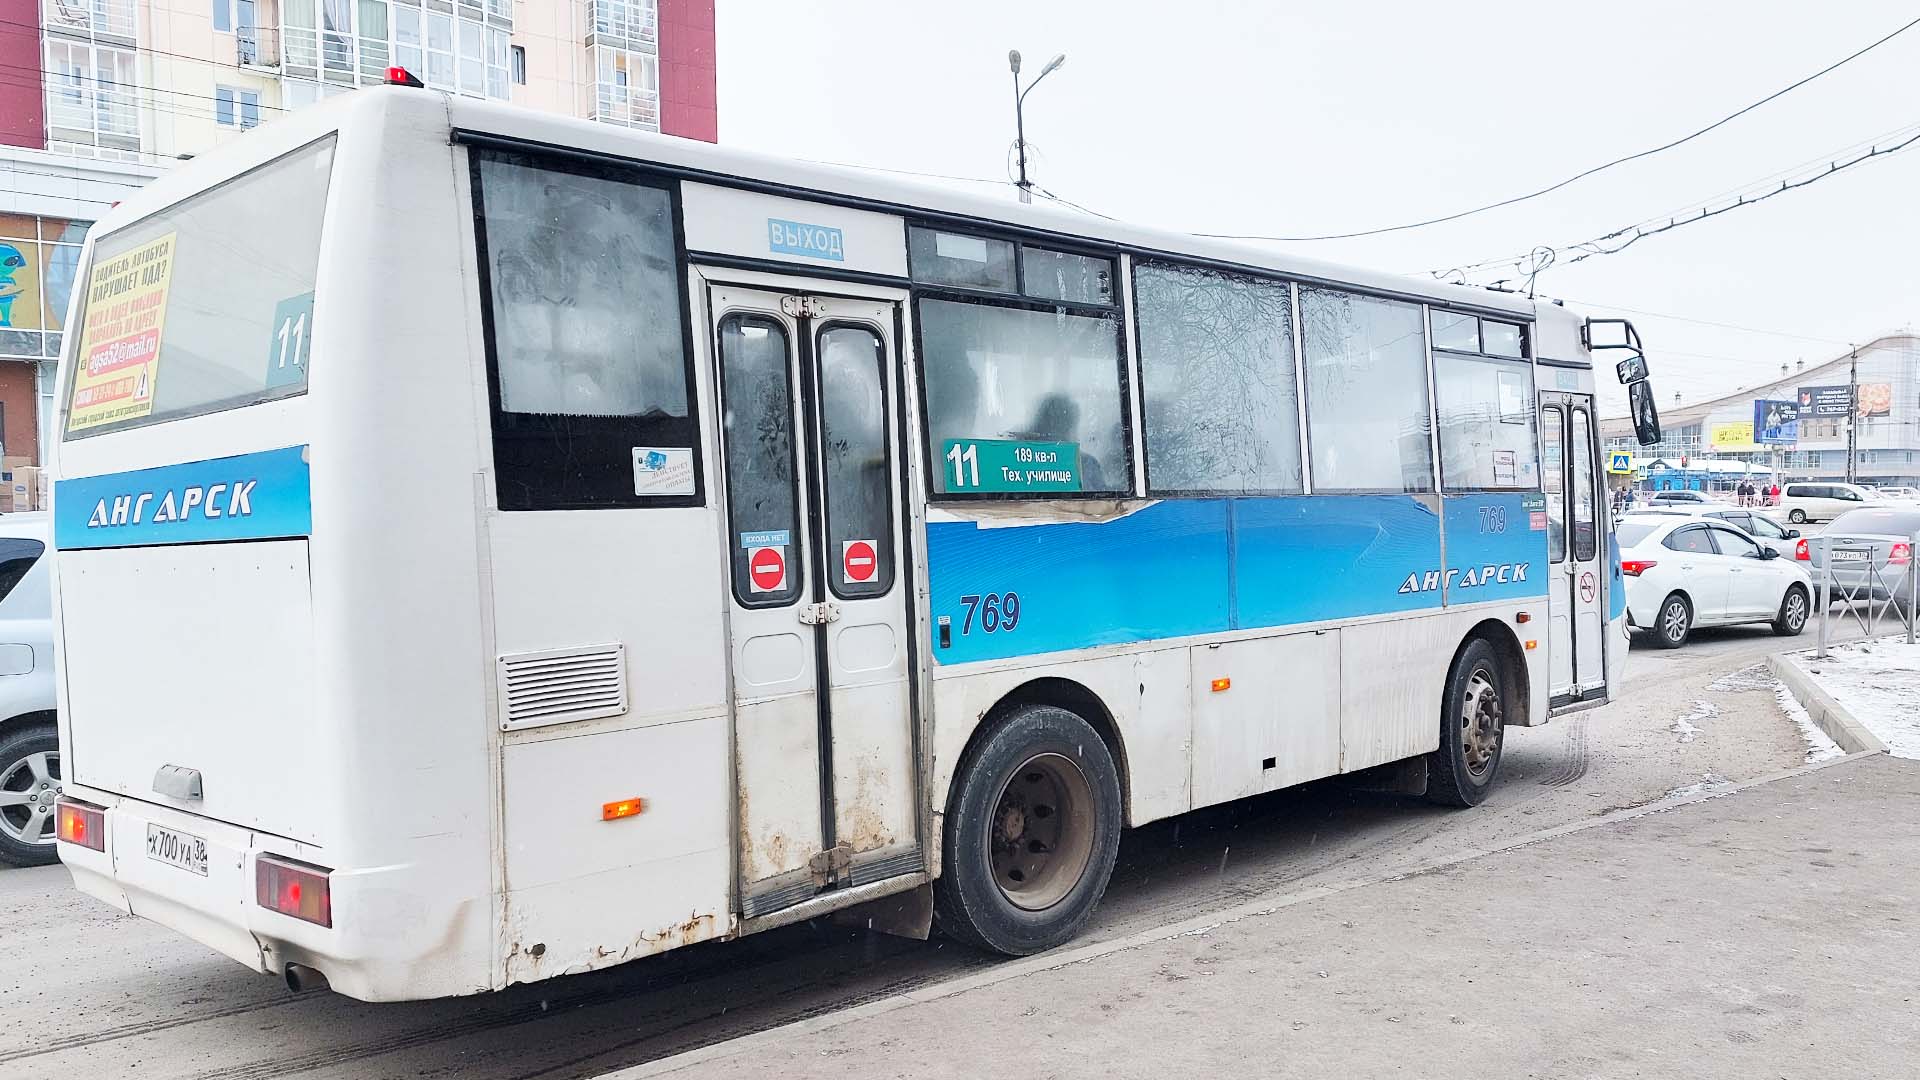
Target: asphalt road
{"type": "Point", "coordinates": [87, 992]}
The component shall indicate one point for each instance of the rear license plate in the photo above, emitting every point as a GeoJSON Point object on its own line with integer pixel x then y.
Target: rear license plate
{"type": "Point", "coordinates": [184, 850]}
{"type": "Point", "coordinates": [1850, 555]}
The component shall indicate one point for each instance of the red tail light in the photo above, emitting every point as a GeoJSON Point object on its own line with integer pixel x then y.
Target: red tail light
{"type": "Point", "coordinates": [81, 825]}
{"type": "Point", "coordinates": [1902, 555]}
{"type": "Point", "coordinates": [294, 889]}
{"type": "Point", "coordinates": [1800, 552]}
{"type": "Point", "coordinates": [1635, 567]}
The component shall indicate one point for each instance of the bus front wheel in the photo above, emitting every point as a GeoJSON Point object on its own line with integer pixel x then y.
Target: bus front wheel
{"type": "Point", "coordinates": [1031, 833]}
{"type": "Point", "coordinates": [1472, 728]}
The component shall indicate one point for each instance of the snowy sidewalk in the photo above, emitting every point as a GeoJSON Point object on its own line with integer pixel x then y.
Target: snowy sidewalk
{"type": "Point", "coordinates": [1876, 683]}
{"type": "Point", "coordinates": [1760, 933]}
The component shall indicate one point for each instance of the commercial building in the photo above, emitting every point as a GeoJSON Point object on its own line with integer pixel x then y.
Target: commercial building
{"type": "Point", "coordinates": [99, 96]}
{"type": "Point", "coordinates": [1796, 427]}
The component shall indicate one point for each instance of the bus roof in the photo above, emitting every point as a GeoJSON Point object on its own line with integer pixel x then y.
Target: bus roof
{"type": "Point", "coordinates": [727, 166]}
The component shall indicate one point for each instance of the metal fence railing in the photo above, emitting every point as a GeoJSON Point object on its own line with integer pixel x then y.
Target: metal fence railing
{"type": "Point", "coordinates": [1870, 591]}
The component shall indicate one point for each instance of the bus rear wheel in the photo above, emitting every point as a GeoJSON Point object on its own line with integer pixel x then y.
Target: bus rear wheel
{"type": "Point", "coordinates": [1031, 833]}
{"type": "Point", "coordinates": [1472, 728]}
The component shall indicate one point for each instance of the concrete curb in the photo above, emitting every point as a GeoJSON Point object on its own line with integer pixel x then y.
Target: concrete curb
{"type": "Point", "coordinates": [1833, 719]}
{"type": "Point", "coordinates": [1200, 925]}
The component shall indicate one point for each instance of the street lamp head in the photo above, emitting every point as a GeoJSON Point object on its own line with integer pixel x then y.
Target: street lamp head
{"type": "Point", "coordinates": [1054, 64]}
{"type": "Point", "coordinates": [1013, 60]}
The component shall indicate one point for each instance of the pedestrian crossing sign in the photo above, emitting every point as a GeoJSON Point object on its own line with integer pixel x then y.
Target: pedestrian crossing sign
{"type": "Point", "coordinates": [1619, 461]}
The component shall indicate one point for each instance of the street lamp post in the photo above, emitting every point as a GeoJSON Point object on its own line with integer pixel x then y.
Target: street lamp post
{"type": "Point", "coordinates": [1019, 114]}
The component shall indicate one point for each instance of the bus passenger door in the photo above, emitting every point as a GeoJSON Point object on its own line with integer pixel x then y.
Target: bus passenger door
{"type": "Point", "coordinates": [1576, 647]}
{"type": "Point", "coordinates": [1553, 483]}
{"type": "Point", "coordinates": [823, 732]}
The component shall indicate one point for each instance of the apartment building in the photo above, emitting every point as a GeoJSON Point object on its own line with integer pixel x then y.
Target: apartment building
{"type": "Point", "coordinates": [99, 96]}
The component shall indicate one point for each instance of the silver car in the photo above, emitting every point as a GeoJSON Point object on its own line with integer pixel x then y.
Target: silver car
{"type": "Point", "coordinates": [29, 743]}
{"type": "Point", "coordinates": [1871, 551]}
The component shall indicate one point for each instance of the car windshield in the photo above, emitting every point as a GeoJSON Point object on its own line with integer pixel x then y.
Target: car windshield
{"type": "Point", "coordinates": [1890, 522]}
{"type": "Point", "coordinates": [1632, 532]}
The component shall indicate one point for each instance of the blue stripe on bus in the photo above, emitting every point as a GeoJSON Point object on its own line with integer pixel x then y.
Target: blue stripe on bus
{"type": "Point", "coordinates": [1185, 567]}
{"type": "Point", "coordinates": [246, 497]}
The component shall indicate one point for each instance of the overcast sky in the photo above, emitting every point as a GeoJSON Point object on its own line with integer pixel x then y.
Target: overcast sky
{"type": "Point", "coordinates": [1297, 119]}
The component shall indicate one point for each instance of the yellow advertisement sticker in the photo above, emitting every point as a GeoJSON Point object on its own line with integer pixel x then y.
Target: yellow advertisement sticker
{"type": "Point", "coordinates": [119, 355]}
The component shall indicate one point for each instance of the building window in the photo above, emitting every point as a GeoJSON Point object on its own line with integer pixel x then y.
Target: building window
{"type": "Point", "coordinates": [236, 108]}
{"type": "Point", "coordinates": [519, 64]}
{"type": "Point", "coordinates": [457, 48]}
{"type": "Point", "coordinates": [90, 94]}
{"type": "Point", "coordinates": [39, 263]}
{"type": "Point", "coordinates": [626, 88]}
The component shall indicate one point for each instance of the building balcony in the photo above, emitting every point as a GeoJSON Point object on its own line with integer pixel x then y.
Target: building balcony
{"type": "Point", "coordinates": [628, 24]}
{"type": "Point", "coordinates": [258, 47]}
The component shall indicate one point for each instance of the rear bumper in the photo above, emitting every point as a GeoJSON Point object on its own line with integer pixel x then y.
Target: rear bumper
{"type": "Point", "coordinates": [395, 936]}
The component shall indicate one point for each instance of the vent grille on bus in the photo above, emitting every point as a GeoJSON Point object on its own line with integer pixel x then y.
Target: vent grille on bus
{"type": "Point", "coordinates": [562, 685]}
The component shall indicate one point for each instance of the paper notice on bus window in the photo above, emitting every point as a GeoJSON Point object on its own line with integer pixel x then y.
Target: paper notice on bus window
{"type": "Point", "coordinates": [120, 338]}
{"type": "Point", "coordinates": [662, 470]}
{"type": "Point", "coordinates": [1505, 472]}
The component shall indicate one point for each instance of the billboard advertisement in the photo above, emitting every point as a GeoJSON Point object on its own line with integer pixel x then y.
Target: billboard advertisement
{"type": "Point", "coordinates": [1734, 437]}
{"type": "Point", "coordinates": [1776, 423]}
{"type": "Point", "coordinates": [1876, 399]}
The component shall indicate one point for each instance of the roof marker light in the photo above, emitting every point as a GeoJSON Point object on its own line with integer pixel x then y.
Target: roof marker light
{"type": "Point", "coordinates": [399, 76]}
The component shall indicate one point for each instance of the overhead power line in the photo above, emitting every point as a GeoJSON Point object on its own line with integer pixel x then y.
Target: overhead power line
{"type": "Point", "coordinates": [1550, 188]}
{"type": "Point", "coordinates": [1619, 240]}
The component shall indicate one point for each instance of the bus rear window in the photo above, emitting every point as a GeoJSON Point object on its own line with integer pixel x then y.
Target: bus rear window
{"type": "Point", "coordinates": [205, 306]}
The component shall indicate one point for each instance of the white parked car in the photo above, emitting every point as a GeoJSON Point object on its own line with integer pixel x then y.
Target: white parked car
{"type": "Point", "coordinates": [1899, 494]}
{"type": "Point", "coordinates": [1801, 502]}
{"type": "Point", "coordinates": [1751, 521]}
{"type": "Point", "coordinates": [1684, 571]}
{"type": "Point", "coordinates": [29, 743]}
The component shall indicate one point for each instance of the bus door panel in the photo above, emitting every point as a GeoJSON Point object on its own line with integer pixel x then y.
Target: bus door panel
{"type": "Point", "coordinates": [1586, 533]}
{"type": "Point", "coordinates": [1553, 482]}
{"type": "Point", "coordinates": [826, 782]}
{"type": "Point", "coordinates": [856, 373]}
{"type": "Point", "coordinates": [774, 653]}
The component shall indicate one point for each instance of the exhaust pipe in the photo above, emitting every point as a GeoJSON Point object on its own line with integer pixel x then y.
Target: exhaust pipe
{"type": "Point", "coordinates": [301, 978]}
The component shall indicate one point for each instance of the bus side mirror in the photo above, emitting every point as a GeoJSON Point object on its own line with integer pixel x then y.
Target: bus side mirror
{"type": "Point", "coordinates": [1646, 418]}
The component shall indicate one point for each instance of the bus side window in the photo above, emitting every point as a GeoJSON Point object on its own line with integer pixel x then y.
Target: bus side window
{"type": "Point", "coordinates": [1023, 385]}
{"type": "Point", "coordinates": [1216, 359]}
{"type": "Point", "coordinates": [1366, 367]}
{"type": "Point", "coordinates": [587, 336]}
{"type": "Point", "coordinates": [1485, 404]}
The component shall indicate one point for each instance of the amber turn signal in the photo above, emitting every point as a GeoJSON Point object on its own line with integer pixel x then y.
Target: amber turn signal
{"type": "Point", "coordinates": [625, 808]}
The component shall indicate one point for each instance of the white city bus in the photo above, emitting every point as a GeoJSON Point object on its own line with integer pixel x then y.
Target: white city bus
{"type": "Point", "coordinates": [492, 546]}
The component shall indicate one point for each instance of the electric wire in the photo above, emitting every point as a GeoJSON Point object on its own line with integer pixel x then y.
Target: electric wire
{"type": "Point", "coordinates": [1783, 91]}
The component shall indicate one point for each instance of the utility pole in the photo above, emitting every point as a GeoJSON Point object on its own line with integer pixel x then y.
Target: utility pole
{"type": "Point", "coordinates": [1853, 412]}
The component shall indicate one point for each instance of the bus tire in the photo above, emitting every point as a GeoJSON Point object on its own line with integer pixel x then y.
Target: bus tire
{"type": "Point", "coordinates": [1032, 829]}
{"type": "Point", "coordinates": [1472, 728]}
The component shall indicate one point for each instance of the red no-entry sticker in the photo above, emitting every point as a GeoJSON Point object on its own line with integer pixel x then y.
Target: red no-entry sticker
{"type": "Point", "coordinates": [766, 569]}
{"type": "Point", "coordinates": [858, 561]}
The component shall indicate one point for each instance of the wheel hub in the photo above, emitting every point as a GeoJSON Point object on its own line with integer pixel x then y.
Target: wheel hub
{"type": "Point", "coordinates": [1042, 832]}
{"type": "Point", "coordinates": [29, 793]}
{"type": "Point", "coordinates": [1481, 722]}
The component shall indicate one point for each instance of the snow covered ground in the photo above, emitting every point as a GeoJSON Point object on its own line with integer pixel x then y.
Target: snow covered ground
{"type": "Point", "coordinates": [1878, 682]}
